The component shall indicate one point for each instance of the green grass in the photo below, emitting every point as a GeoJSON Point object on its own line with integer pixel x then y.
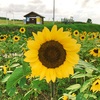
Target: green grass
{"type": "Point", "coordinates": [7, 22]}
{"type": "Point", "coordinates": [10, 26]}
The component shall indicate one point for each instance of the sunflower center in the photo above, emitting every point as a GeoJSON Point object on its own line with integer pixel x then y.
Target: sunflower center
{"type": "Point", "coordinates": [96, 50]}
{"type": "Point", "coordinates": [22, 30]}
{"type": "Point", "coordinates": [76, 32]}
{"type": "Point", "coordinates": [52, 54]}
{"type": "Point", "coordinates": [16, 38]}
{"type": "Point", "coordinates": [97, 83]}
{"type": "Point", "coordinates": [2, 37]}
{"type": "Point", "coordinates": [82, 37]}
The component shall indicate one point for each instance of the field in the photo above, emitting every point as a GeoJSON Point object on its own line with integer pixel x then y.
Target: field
{"type": "Point", "coordinates": [6, 22]}
{"type": "Point", "coordinates": [50, 61]}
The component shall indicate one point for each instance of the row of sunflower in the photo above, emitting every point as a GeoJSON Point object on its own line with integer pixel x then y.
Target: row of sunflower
{"type": "Point", "coordinates": [50, 65]}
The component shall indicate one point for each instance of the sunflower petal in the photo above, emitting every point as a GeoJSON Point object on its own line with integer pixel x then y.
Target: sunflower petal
{"type": "Point", "coordinates": [52, 74]}
{"type": "Point", "coordinates": [48, 78]}
{"type": "Point", "coordinates": [43, 73]}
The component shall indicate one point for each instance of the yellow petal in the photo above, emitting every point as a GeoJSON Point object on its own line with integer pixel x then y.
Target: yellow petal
{"type": "Point", "coordinates": [60, 30]}
{"type": "Point", "coordinates": [48, 78]}
{"type": "Point", "coordinates": [31, 53]}
{"type": "Point", "coordinates": [72, 58]}
{"type": "Point", "coordinates": [43, 72]}
{"type": "Point", "coordinates": [31, 59]}
{"type": "Point", "coordinates": [59, 72]}
{"type": "Point", "coordinates": [33, 45]}
{"type": "Point", "coordinates": [54, 29]}
{"type": "Point", "coordinates": [52, 74]}
{"type": "Point", "coordinates": [34, 35]}
{"type": "Point", "coordinates": [47, 34]}
{"type": "Point", "coordinates": [41, 38]}
{"type": "Point", "coordinates": [36, 68]}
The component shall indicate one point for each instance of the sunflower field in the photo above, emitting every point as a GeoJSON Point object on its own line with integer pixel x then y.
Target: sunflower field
{"type": "Point", "coordinates": [57, 63]}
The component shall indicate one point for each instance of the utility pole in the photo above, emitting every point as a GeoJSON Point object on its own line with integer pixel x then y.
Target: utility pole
{"type": "Point", "coordinates": [53, 11]}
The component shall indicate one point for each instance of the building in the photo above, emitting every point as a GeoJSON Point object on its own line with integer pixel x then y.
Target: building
{"type": "Point", "coordinates": [33, 18]}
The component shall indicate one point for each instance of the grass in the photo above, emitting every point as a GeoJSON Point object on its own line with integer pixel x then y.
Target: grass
{"type": "Point", "coordinates": [10, 26]}
{"type": "Point", "coordinates": [7, 22]}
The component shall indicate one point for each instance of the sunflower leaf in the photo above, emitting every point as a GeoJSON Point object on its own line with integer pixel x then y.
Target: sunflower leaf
{"type": "Point", "coordinates": [5, 78]}
{"type": "Point", "coordinates": [78, 75]}
{"type": "Point", "coordinates": [17, 74]}
{"type": "Point", "coordinates": [27, 94]}
{"type": "Point", "coordinates": [80, 96]}
{"type": "Point", "coordinates": [84, 64]}
{"type": "Point", "coordinates": [12, 91]}
{"type": "Point", "coordinates": [81, 75]}
{"type": "Point", "coordinates": [74, 87]}
{"type": "Point", "coordinates": [86, 85]}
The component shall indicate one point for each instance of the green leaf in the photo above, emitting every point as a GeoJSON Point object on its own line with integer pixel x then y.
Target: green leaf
{"type": "Point", "coordinates": [15, 65]}
{"type": "Point", "coordinates": [82, 75]}
{"type": "Point", "coordinates": [22, 82]}
{"type": "Point", "coordinates": [80, 96]}
{"type": "Point", "coordinates": [86, 85]}
{"type": "Point", "coordinates": [5, 78]}
{"type": "Point", "coordinates": [27, 95]}
{"type": "Point", "coordinates": [74, 87]}
{"type": "Point", "coordinates": [89, 70]}
{"type": "Point", "coordinates": [12, 91]}
{"type": "Point", "coordinates": [78, 75]}
{"type": "Point", "coordinates": [17, 74]}
{"type": "Point", "coordinates": [92, 96]}
{"type": "Point", "coordinates": [86, 64]}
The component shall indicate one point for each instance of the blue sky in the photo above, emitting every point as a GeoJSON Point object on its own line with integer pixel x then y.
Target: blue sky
{"type": "Point", "coordinates": [80, 10]}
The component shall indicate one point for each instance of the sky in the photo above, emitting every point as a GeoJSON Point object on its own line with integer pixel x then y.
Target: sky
{"type": "Point", "coordinates": [80, 10]}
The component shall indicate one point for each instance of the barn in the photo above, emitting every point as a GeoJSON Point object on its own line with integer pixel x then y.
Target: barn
{"type": "Point", "coordinates": [33, 18]}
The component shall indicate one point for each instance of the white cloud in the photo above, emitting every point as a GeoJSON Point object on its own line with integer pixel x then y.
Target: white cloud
{"type": "Point", "coordinates": [79, 9]}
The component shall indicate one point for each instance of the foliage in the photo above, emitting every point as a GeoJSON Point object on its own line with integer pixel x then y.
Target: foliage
{"type": "Point", "coordinates": [16, 81]}
{"type": "Point", "coordinates": [89, 20]}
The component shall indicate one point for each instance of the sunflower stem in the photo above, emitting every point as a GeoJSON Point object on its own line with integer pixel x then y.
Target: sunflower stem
{"type": "Point", "coordinates": [53, 91]}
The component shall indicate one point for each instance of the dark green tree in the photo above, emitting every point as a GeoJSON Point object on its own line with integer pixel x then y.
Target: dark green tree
{"type": "Point", "coordinates": [89, 20]}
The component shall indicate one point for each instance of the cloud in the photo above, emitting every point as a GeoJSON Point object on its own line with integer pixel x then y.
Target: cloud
{"type": "Point", "coordinates": [82, 3]}
{"type": "Point", "coordinates": [35, 2]}
{"type": "Point", "coordinates": [23, 8]}
{"type": "Point", "coordinates": [97, 1]}
{"type": "Point", "coordinates": [85, 2]}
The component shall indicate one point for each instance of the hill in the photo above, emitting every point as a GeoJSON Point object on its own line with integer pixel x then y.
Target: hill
{"type": "Point", "coordinates": [5, 28]}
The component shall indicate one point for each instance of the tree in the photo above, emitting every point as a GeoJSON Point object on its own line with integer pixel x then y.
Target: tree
{"type": "Point", "coordinates": [89, 20]}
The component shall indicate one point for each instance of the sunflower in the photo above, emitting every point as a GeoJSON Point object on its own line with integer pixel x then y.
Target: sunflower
{"type": "Point", "coordinates": [84, 33]}
{"type": "Point", "coordinates": [65, 97]}
{"type": "Point", "coordinates": [16, 38]}
{"type": "Point", "coordinates": [95, 86]}
{"type": "Point", "coordinates": [98, 36]}
{"type": "Point", "coordinates": [2, 38]}
{"type": "Point", "coordinates": [95, 52]}
{"type": "Point", "coordinates": [82, 37]}
{"type": "Point", "coordinates": [52, 54]}
{"type": "Point", "coordinates": [76, 33]}
{"type": "Point", "coordinates": [69, 29]}
{"type": "Point", "coordinates": [94, 35]}
{"type": "Point", "coordinates": [4, 69]}
{"type": "Point", "coordinates": [22, 30]}
{"type": "Point", "coordinates": [2, 51]}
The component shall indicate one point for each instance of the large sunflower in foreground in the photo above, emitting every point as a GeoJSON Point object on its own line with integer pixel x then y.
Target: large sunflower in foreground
{"type": "Point", "coordinates": [95, 86]}
{"type": "Point", "coordinates": [52, 54]}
